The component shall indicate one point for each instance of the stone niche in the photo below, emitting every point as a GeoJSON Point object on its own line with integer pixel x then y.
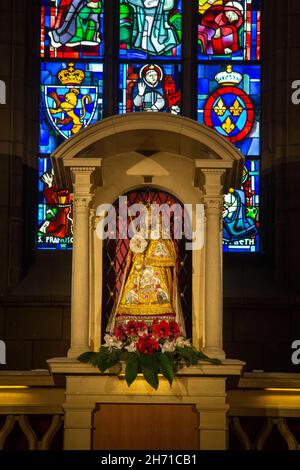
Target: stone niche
{"type": "Point", "coordinates": [196, 166]}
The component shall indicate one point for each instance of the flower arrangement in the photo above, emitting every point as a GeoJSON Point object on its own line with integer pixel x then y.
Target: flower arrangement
{"type": "Point", "coordinates": [150, 350]}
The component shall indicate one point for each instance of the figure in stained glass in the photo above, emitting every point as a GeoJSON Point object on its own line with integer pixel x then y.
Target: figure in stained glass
{"type": "Point", "coordinates": [148, 94]}
{"type": "Point", "coordinates": [151, 88]}
{"type": "Point", "coordinates": [152, 31]}
{"type": "Point", "coordinates": [219, 29]}
{"type": "Point", "coordinates": [229, 28]}
{"type": "Point", "coordinates": [77, 23]}
{"type": "Point", "coordinates": [240, 214]}
{"type": "Point", "coordinates": [57, 223]}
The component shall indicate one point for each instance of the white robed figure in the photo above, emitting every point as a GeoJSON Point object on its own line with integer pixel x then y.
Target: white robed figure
{"type": "Point", "coordinates": [152, 32]}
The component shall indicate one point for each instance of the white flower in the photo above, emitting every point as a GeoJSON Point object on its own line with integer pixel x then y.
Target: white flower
{"type": "Point", "coordinates": [131, 347]}
{"type": "Point", "coordinates": [138, 244]}
{"type": "Point", "coordinates": [168, 346]}
{"type": "Point", "coordinates": [112, 342]}
{"type": "Point", "coordinates": [182, 342]}
{"type": "Point", "coordinates": [143, 332]}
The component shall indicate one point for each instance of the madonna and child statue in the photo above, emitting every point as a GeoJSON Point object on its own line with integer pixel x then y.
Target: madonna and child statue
{"type": "Point", "coordinates": [149, 290]}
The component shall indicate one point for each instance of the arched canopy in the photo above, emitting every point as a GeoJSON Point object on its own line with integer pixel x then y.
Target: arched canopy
{"type": "Point", "coordinates": [146, 135]}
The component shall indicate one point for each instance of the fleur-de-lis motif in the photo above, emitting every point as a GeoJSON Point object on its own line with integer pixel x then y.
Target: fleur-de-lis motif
{"type": "Point", "coordinates": [236, 109]}
{"type": "Point", "coordinates": [228, 125]}
{"type": "Point", "coordinates": [220, 108]}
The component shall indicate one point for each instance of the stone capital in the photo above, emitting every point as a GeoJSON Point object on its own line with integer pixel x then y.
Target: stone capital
{"type": "Point", "coordinates": [83, 180]}
{"type": "Point", "coordinates": [213, 181]}
{"type": "Point", "coordinates": [82, 202]}
{"type": "Point", "coordinates": [213, 205]}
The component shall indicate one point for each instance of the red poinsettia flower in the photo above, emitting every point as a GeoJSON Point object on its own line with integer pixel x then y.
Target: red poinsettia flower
{"type": "Point", "coordinates": [132, 328]}
{"type": "Point", "coordinates": [120, 333]}
{"type": "Point", "coordinates": [147, 345]}
{"type": "Point", "coordinates": [174, 329]}
{"type": "Point", "coordinates": [161, 329]}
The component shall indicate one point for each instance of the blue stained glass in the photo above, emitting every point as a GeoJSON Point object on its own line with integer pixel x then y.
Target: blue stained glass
{"type": "Point", "coordinates": [241, 213]}
{"type": "Point", "coordinates": [229, 102]}
{"type": "Point", "coordinates": [80, 85]}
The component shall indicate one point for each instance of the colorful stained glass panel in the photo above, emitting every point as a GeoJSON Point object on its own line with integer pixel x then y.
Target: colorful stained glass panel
{"type": "Point", "coordinates": [229, 29]}
{"type": "Point", "coordinates": [55, 211]}
{"type": "Point", "coordinates": [229, 102]}
{"type": "Point", "coordinates": [71, 29]}
{"type": "Point", "coordinates": [150, 29]}
{"type": "Point", "coordinates": [150, 87]}
{"type": "Point", "coordinates": [71, 99]}
{"type": "Point", "coordinates": [241, 213]}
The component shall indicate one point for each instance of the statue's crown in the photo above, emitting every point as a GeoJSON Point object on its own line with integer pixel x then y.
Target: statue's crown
{"type": "Point", "coordinates": [71, 76]}
{"type": "Point", "coordinates": [229, 77]}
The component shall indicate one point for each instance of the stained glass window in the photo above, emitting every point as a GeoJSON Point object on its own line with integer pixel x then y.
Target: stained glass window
{"type": "Point", "coordinates": [229, 101]}
{"type": "Point", "coordinates": [165, 96]}
{"type": "Point", "coordinates": [241, 213]}
{"type": "Point", "coordinates": [150, 68]}
{"type": "Point", "coordinates": [71, 29]}
{"type": "Point", "coordinates": [150, 56]}
{"type": "Point", "coordinates": [71, 98]}
{"type": "Point", "coordinates": [150, 29]}
{"type": "Point", "coordinates": [55, 211]}
{"type": "Point", "coordinates": [229, 29]}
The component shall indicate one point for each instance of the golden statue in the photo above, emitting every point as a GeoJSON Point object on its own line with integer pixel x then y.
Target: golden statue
{"type": "Point", "coordinates": [149, 288]}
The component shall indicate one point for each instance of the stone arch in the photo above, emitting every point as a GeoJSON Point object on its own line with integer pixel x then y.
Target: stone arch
{"type": "Point", "coordinates": [173, 153]}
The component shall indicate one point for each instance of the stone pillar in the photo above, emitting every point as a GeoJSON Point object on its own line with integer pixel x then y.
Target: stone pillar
{"type": "Point", "coordinates": [80, 266]}
{"type": "Point", "coordinates": [213, 430]}
{"type": "Point", "coordinates": [78, 426]}
{"type": "Point", "coordinates": [213, 200]}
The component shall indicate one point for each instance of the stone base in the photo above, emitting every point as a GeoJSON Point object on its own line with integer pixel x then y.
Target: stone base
{"type": "Point", "coordinates": [202, 386]}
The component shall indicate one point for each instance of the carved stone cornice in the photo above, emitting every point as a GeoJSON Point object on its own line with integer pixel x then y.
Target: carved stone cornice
{"type": "Point", "coordinates": [214, 171]}
{"type": "Point", "coordinates": [83, 169]}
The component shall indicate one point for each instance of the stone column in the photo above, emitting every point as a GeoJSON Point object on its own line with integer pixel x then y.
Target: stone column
{"type": "Point", "coordinates": [213, 201]}
{"type": "Point", "coordinates": [80, 262]}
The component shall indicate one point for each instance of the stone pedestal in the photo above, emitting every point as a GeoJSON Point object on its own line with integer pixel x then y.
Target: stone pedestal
{"type": "Point", "coordinates": [202, 386]}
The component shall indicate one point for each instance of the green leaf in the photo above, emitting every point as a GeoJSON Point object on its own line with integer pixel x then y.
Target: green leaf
{"type": "Point", "coordinates": [132, 368]}
{"type": "Point", "coordinates": [149, 365]}
{"type": "Point", "coordinates": [85, 357]}
{"type": "Point", "coordinates": [166, 367]}
{"type": "Point", "coordinates": [187, 355]}
{"type": "Point", "coordinates": [203, 357]}
{"type": "Point", "coordinates": [114, 358]}
{"type": "Point", "coordinates": [107, 359]}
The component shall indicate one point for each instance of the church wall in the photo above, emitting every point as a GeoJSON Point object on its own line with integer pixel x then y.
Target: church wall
{"type": "Point", "coordinates": [261, 306]}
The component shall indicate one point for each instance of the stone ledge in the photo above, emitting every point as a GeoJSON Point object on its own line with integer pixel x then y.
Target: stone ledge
{"type": "Point", "coordinates": [32, 378]}
{"type": "Point", "coordinates": [70, 366]}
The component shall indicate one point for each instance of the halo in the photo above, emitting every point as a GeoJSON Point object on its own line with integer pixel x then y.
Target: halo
{"type": "Point", "coordinates": [155, 66]}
